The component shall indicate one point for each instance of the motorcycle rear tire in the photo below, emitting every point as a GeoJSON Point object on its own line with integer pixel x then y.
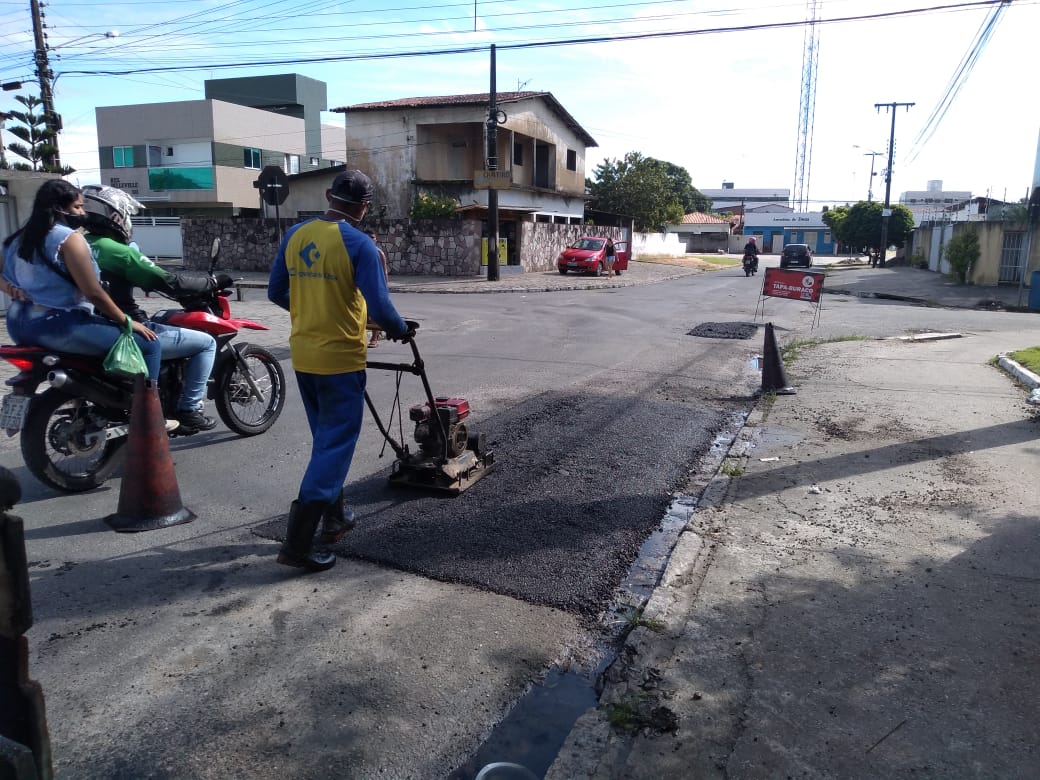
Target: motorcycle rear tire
{"type": "Point", "coordinates": [230, 388]}
{"type": "Point", "coordinates": [36, 436]}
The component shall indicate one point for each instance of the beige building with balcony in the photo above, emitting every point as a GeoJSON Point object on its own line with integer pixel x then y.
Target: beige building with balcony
{"type": "Point", "coordinates": [437, 145]}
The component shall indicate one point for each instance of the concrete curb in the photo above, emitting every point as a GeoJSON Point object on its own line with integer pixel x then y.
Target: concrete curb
{"type": "Point", "coordinates": [1019, 372]}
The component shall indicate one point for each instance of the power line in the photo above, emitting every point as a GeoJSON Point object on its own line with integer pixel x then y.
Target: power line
{"type": "Point", "coordinates": [599, 39]}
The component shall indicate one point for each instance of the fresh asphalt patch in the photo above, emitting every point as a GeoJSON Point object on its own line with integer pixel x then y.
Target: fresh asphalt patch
{"type": "Point", "coordinates": [580, 480]}
{"type": "Point", "coordinates": [725, 330]}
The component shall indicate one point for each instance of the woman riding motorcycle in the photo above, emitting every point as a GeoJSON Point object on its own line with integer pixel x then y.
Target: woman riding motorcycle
{"type": "Point", "coordinates": [108, 212]}
{"type": "Point", "coordinates": [54, 282]}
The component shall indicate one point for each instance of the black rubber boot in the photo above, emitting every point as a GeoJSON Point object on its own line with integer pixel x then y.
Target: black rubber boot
{"type": "Point", "coordinates": [297, 550]}
{"type": "Point", "coordinates": [336, 522]}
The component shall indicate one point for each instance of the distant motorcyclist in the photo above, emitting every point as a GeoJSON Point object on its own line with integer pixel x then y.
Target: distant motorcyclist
{"type": "Point", "coordinates": [751, 249]}
{"type": "Point", "coordinates": [108, 211]}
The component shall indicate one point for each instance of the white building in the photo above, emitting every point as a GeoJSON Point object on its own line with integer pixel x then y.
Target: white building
{"type": "Point", "coordinates": [929, 205]}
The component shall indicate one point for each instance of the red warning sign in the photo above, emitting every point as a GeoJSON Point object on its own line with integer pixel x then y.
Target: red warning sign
{"type": "Point", "coordinates": [800, 285]}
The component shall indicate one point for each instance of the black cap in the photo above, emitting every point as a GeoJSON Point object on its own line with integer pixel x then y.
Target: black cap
{"type": "Point", "coordinates": [352, 187]}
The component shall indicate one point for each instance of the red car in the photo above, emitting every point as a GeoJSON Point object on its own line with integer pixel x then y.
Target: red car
{"type": "Point", "coordinates": [594, 255]}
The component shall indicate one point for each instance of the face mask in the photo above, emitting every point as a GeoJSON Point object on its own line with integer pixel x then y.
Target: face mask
{"type": "Point", "coordinates": [74, 220]}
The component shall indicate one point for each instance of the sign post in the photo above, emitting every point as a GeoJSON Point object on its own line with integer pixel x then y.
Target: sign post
{"type": "Point", "coordinates": [794, 285]}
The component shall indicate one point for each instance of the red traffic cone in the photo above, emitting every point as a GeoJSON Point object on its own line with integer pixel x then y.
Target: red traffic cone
{"type": "Point", "coordinates": [149, 497]}
{"type": "Point", "coordinates": [773, 378]}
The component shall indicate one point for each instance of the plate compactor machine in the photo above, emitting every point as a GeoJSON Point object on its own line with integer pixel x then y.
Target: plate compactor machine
{"type": "Point", "coordinates": [449, 457]}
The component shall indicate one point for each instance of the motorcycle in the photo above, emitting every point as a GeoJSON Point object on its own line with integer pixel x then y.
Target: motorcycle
{"type": "Point", "coordinates": [73, 433]}
{"type": "Point", "coordinates": [750, 264]}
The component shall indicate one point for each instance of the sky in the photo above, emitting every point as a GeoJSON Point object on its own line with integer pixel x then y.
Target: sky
{"type": "Point", "coordinates": [714, 87]}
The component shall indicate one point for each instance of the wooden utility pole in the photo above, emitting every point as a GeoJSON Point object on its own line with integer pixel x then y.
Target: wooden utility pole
{"type": "Point", "coordinates": [491, 164]}
{"type": "Point", "coordinates": [43, 71]}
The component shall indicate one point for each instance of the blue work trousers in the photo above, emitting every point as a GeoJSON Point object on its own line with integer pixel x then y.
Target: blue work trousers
{"type": "Point", "coordinates": [335, 407]}
{"type": "Point", "coordinates": [76, 331]}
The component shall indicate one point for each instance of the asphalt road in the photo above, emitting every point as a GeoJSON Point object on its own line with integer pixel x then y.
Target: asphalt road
{"type": "Point", "coordinates": [188, 652]}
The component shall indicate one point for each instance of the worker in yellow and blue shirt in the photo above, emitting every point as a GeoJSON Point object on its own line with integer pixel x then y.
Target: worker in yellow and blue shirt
{"type": "Point", "coordinates": [329, 276]}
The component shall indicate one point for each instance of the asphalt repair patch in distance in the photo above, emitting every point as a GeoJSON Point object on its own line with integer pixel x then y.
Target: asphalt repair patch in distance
{"type": "Point", "coordinates": [725, 330]}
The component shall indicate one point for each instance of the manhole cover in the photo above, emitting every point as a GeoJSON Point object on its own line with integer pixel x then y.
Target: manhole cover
{"type": "Point", "coordinates": [725, 330]}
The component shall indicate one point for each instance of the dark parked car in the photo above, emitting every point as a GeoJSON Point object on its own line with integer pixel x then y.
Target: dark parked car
{"type": "Point", "coordinates": [796, 254]}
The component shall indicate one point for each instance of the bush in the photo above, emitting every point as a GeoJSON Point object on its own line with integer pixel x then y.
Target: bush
{"type": "Point", "coordinates": [427, 206]}
{"type": "Point", "coordinates": [962, 253]}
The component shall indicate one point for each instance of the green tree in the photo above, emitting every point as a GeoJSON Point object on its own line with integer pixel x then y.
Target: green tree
{"type": "Point", "coordinates": [638, 187]}
{"type": "Point", "coordinates": [861, 225]}
{"type": "Point", "coordinates": [836, 219]}
{"type": "Point", "coordinates": [38, 140]}
{"type": "Point", "coordinates": [682, 187]}
{"type": "Point", "coordinates": [962, 253]}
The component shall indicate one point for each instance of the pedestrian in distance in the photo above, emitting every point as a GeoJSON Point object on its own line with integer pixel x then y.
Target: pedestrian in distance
{"type": "Point", "coordinates": [329, 276]}
{"type": "Point", "coordinates": [373, 327]}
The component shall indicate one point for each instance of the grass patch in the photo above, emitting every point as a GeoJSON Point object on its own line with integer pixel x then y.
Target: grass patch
{"type": "Point", "coordinates": [1028, 358]}
{"type": "Point", "coordinates": [790, 350]}
{"type": "Point", "coordinates": [625, 715]}
{"type": "Point", "coordinates": [732, 469]}
{"type": "Point", "coordinates": [707, 262]}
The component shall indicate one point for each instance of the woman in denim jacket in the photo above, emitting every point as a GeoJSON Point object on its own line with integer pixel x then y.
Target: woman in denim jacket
{"type": "Point", "coordinates": [55, 284]}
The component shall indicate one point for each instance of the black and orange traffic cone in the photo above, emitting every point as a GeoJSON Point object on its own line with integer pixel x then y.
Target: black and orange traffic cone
{"type": "Point", "coordinates": [773, 378]}
{"type": "Point", "coordinates": [149, 497]}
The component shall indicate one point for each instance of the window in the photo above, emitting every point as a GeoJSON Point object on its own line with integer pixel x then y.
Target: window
{"type": "Point", "coordinates": [251, 158]}
{"type": "Point", "coordinates": [169, 151]}
{"type": "Point", "coordinates": [572, 160]}
{"type": "Point", "coordinates": [122, 156]}
{"type": "Point", "coordinates": [292, 163]}
{"type": "Point", "coordinates": [314, 161]}
{"type": "Point", "coordinates": [518, 153]}
{"type": "Point", "coordinates": [154, 156]}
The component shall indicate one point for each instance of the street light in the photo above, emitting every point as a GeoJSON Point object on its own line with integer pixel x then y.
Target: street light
{"type": "Point", "coordinates": [870, 182]}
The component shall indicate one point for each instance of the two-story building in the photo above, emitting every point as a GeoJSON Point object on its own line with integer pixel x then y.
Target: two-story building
{"type": "Point", "coordinates": [202, 157]}
{"type": "Point", "coordinates": [439, 144]}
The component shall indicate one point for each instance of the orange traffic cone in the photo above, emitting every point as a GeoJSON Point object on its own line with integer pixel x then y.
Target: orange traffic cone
{"type": "Point", "coordinates": [773, 378]}
{"type": "Point", "coordinates": [149, 498]}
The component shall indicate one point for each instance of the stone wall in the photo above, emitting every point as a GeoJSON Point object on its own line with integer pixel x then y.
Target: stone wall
{"type": "Point", "coordinates": [425, 247]}
{"type": "Point", "coordinates": [542, 242]}
{"type": "Point", "coordinates": [430, 247]}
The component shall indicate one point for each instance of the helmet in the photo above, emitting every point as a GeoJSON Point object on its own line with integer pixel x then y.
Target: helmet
{"type": "Point", "coordinates": [751, 240]}
{"type": "Point", "coordinates": [109, 211]}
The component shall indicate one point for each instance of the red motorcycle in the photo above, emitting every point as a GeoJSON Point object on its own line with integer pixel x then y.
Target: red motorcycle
{"type": "Point", "coordinates": [73, 432]}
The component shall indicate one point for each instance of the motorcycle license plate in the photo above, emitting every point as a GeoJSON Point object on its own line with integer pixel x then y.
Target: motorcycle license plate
{"type": "Point", "coordinates": [13, 412]}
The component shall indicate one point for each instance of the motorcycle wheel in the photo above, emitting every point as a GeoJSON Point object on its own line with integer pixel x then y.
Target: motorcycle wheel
{"type": "Point", "coordinates": [236, 404]}
{"type": "Point", "coordinates": [64, 446]}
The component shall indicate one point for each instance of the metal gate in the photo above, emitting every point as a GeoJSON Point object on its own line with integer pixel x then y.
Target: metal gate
{"type": "Point", "coordinates": [1011, 260]}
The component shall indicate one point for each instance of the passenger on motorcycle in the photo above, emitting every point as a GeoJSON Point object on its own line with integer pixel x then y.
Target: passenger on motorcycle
{"type": "Point", "coordinates": [108, 212]}
{"type": "Point", "coordinates": [54, 282]}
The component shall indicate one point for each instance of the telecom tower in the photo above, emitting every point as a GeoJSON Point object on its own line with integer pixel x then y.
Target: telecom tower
{"type": "Point", "coordinates": [806, 109]}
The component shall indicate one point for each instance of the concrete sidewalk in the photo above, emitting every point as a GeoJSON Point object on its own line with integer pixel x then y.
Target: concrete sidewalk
{"type": "Point", "coordinates": [860, 600]}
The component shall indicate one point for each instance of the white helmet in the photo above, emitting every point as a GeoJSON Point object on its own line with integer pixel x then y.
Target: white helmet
{"type": "Point", "coordinates": [109, 211]}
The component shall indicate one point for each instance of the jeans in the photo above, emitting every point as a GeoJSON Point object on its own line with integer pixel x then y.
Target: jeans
{"type": "Point", "coordinates": [73, 331]}
{"type": "Point", "coordinates": [200, 349]}
{"type": "Point", "coordinates": [335, 407]}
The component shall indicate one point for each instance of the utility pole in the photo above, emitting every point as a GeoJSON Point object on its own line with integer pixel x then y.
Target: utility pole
{"type": "Point", "coordinates": [491, 163]}
{"type": "Point", "coordinates": [43, 70]}
{"type": "Point", "coordinates": [887, 211]}
{"type": "Point", "coordinates": [870, 182]}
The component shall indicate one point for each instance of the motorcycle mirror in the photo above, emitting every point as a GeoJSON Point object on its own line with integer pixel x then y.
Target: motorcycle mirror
{"type": "Point", "coordinates": [214, 253]}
